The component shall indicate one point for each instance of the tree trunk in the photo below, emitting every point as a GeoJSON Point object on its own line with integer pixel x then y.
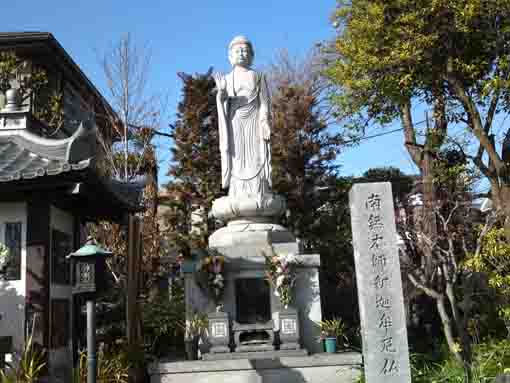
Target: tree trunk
{"type": "Point", "coordinates": [504, 206]}
{"type": "Point", "coordinates": [447, 328]}
{"type": "Point", "coordinates": [428, 213]}
{"type": "Point", "coordinates": [460, 324]}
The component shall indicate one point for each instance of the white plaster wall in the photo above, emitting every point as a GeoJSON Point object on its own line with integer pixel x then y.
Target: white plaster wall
{"type": "Point", "coordinates": [12, 293]}
{"type": "Point", "coordinates": [61, 358]}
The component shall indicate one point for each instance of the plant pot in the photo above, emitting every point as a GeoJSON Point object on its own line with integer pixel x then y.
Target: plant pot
{"type": "Point", "coordinates": [330, 345]}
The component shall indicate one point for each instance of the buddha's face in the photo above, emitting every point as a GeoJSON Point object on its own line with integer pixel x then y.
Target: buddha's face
{"type": "Point", "coordinates": [240, 54]}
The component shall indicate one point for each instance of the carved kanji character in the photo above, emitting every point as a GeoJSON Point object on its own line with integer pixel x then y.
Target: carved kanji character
{"type": "Point", "coordinates": [373, 202]}
{"type": "Point", "coordinates": [375, 222]}
{"type": "Point", "coordinates": [382, 302]}
{"type": "Point", "coordinates": [379, 261]}
{"type": "Point", "coordinates": [385, 321]}
{"type": "Point", "coordinates": [390, 367]}
{"type": "Point", "coordinates": [376, 241]}
{"type": "Point", "coordinates": [380, 281]}
{"type": "Point", "coordinates": [387, 345]}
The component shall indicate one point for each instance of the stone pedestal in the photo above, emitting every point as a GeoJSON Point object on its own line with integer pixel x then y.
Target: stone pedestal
{"type": "Point", "coordinates": [249, 236]}
{"type": "Point", "coordinates": [276, 367]}
{"type": "Point", "coordinates": [244, 242]}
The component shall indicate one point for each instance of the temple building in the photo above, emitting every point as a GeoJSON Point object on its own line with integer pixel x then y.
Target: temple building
{"type": "Point", "coordinates": [50, 186]}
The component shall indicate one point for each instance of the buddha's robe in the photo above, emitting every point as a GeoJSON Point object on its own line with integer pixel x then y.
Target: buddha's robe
{"type": "Point", "coordinates": [244, 128]}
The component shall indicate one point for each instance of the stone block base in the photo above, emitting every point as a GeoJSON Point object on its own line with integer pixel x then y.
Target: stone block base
{"type": "Point", "coordinates": [256, 355]}
{"type": "Point", "coordinates": [318, 368]}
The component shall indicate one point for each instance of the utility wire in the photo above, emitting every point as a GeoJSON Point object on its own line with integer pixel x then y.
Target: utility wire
{"type": "Point", "coordinates": [373, 136]}
{"type": "Point", "coordinates": [381, 134]}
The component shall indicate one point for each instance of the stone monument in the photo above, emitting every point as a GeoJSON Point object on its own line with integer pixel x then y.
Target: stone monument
{"type": "Point", "coordinates": [251, 312]}
{"type": "Point", "coordinates": [381, 304]}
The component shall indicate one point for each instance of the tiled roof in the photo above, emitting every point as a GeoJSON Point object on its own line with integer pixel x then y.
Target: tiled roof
{"type": "Point", "coordinates": [23, 155]}
{"type": "Point", "coordinates": [18, 163]}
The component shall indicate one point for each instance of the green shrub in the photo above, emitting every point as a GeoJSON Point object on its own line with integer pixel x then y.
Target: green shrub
{"type": "Point", "coordinates": [110, 368]}
{"type": "Point", "coordinates": [490, 359]}
{"type": "Point", "coordinates": [30, 366]}
{"type": "Point", "coordinates": [162, 320]}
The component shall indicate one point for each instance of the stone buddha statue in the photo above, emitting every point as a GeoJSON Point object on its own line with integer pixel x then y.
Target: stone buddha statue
{"type": "Point", "coordinates": [244, 119]}
{"type": "Point", "coordinates": [244, 124]}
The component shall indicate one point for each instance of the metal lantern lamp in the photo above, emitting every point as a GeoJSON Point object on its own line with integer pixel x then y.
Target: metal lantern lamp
{"type": "Point", "coordinates": [89, 268]}
{"type": "Point", "coordinates": [88, 277]}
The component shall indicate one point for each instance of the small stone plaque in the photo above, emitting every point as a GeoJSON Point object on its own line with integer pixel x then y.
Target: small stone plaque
{"type": "Point", "coordinates": [288, 326]}
{"type": "Point", "coordinates": [219, 330]}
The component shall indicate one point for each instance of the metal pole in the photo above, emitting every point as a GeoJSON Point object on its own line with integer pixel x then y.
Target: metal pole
{"type": "Point", "coordinates": [91, 341]}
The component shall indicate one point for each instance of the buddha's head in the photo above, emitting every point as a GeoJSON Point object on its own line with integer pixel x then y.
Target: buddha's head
{"type": "Point", "coordinates": [240, 52]}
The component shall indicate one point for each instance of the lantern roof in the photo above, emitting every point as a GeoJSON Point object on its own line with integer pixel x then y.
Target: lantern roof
{"type": "Point", "coordinates": [90, 249]}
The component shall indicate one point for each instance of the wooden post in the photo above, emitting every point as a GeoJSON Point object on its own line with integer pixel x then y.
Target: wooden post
{"type": "Point", "coordinates": [138, 275]}
{"type": "Point", "coordinates": [131, 282]}
{"type": "Point", "coordinates": [133, 329]}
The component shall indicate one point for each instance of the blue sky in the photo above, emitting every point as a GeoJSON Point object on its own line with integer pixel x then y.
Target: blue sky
{"type": "Point", "coordinates": [190, 36]}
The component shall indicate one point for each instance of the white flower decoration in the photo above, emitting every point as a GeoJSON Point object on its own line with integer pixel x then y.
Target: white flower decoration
{"type": "Point", "coordinates": [290, 258]}
{"type": "Point", "coordinates": [4, 255]}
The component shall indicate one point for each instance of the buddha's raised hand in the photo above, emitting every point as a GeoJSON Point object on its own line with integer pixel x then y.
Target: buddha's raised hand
{"type": "Point", "coordinates": [221, 84]}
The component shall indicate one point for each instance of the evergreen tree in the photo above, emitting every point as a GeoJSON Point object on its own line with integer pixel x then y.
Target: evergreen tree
{"type": "Point", "coordinates": [401, 183]}
{"type": "Point", "coordinates": [196, 169]}
{"type": "Point", "coordinates": [304, 151]}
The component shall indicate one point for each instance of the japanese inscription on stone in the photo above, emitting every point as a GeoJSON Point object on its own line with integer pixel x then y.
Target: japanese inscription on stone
{"type": "Point", "coordinates": [383, 324]}
{"type": "Point", "coordinates": [219, 330]}
{"type": "Point", "coordinates": [288, 326]}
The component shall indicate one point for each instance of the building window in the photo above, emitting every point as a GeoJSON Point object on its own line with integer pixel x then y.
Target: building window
{"type": "Point", "coordinates": [13, 243]}
{"type": "Point", "coordinates": [61, 244]}
{"type": "Point", "coordinates": [60, 323]}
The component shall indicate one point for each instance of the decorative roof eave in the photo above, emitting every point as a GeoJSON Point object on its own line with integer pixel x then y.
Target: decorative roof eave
{"type": "Point", "coordinates": [24, 155]}
{"type": "Point", "coordinates": [84, 192]}
{"type": "Point", "coordinates": [80, 146]}
{"type": "Point", "coordinates": [97, 198]}
{"type": "Point", "coordinates": [41, 172]}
